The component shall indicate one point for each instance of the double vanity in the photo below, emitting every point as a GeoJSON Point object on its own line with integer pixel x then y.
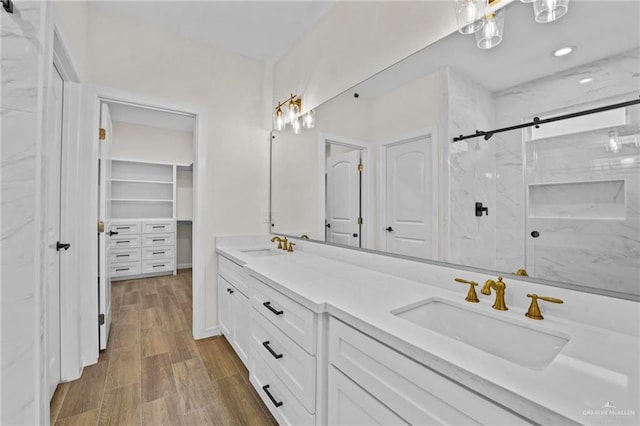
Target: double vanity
{"type": "Point", "coordinates": [336, 336]}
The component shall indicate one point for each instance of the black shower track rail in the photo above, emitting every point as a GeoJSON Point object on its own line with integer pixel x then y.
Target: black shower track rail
{"type": "Point", "coordinates": [537, 121]}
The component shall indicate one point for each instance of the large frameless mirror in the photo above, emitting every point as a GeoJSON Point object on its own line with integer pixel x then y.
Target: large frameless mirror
{"type": "Point", "coordinates": [559, 202]}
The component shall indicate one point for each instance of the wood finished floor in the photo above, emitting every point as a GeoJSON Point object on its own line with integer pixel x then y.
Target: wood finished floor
{"type": "Point", "coordinates": [154, 373]}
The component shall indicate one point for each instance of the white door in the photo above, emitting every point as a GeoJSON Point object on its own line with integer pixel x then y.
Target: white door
{"type": "Point", "coordinates": [104, 282]}
{"type": "Point", "coordinates": [54, 250]}
{"type": "Point", "coordinates": [409, 198]}
{"type": "Point", "coordinates": [343, 199]}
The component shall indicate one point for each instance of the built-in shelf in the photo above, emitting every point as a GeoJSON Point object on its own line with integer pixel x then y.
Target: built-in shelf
{"type": "Point", "coordinates": [162, 182]}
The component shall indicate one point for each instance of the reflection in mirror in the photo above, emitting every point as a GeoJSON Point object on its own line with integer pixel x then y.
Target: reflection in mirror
{"type": "Point", "coordinates": [562, 201]}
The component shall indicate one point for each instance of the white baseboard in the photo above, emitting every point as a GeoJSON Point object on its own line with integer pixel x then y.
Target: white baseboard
{"type": "Point", "coordinates": [208, 332]}
{"type": "Point", "coordinates": [184, 265]}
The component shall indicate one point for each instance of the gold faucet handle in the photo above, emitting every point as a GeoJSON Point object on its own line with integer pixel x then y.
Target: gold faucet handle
{"type": "Point", "coordinates": [472, 297]}
{"type": "Point", "coordinates": [284, 244]}
{"type": "Point", "coordinates": [290, 248]}
{"type": "Point", "coordinates": [534, 308]}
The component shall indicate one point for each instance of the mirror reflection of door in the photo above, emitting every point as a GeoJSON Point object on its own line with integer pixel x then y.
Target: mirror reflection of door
{"type": "Point", "coordinates": [409, 198]}
{"type": "Point", "coordinates": [344, 191]}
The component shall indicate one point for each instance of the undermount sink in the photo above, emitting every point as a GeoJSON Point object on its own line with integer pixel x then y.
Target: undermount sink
{"type": "Point", "coordinates": [261, 252]}
{"type": "Point", "coordinates": [521, 344]}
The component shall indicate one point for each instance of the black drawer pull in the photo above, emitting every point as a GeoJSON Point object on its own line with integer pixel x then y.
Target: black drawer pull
{"type": "Point", "coordinates": [122, 227]}
{"type": "Point", "coordinates": [157, 226]}
{"type": "Point", "coordinates": [122, 255]}
{"type": "Point", "coordinates": [158, 239]}
{"type": "Point", "coordinates": [122, 241]}
{"type": "Point", "coordinates": [265, 388]}
{"type": "Point", "coordinates": [158, 252]}
{"type": "Point", "coordinates": [158, 266]}
{"type": "Point", "coordinates": [121, 269]}
{"type": "Point", "coordinates": [269, 307]}
{"type": "Point", "coordinates": [271, 351]}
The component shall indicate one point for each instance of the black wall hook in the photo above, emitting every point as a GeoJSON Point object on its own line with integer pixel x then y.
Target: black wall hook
{"type": "Point", "coordinates": [8, 5]}
{"type": "Point", "coordinates": [480, 209]}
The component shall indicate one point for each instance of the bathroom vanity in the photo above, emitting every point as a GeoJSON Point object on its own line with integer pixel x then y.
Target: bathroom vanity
{"type": "Point", "coordinates": [337, 336]}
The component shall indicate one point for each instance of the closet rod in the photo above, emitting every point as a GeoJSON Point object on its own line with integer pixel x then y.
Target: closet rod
{"type": "Point", "coordinates": [537, 121]}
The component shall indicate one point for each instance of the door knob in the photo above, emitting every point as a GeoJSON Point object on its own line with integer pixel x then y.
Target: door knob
{"type": "Point", "coordinates": [328, 225]}
{"type": "Point", "coordinates": [355, 235]}
{"type": "Point", "coordinates": [535, 234]}
{"type": "Point", "coordinates": [112, 233]}
{"type": "Point", "coordinates": [60, 246]}
{"type": "Point", "coordinates": [389, 229]}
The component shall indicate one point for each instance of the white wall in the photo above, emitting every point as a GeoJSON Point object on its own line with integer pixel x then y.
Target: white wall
{"type": "Point", "coordinates": [234, 93]}
{"type": "Point", "coordinates": [355, 40]}
{"type": "Point", "coordinates": [138, 142]}
{"type": "Point", "coordinates": [70, 18]}
{"type": "Point", "coordinates": [27, 37]}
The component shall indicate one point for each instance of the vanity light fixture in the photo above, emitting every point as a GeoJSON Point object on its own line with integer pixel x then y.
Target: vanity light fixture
{"type": "Point", "coordinates": [563, 51]}
{"type": "Point", "coordinates": [613, 143]}
{"type": "Point", "coordinates": [288, 112]}
{"type": "Point", "coordinates": [485, 18]}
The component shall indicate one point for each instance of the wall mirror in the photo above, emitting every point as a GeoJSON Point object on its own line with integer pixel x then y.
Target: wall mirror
{"type": "Point", "coordinates": [381, 171]}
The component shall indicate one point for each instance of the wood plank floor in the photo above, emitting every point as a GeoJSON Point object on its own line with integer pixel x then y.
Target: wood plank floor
{"type": "Point", "coordinates": [154, 373]}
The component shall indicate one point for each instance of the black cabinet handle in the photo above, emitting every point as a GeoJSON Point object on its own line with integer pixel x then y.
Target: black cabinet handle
{"type": "Point", "coordinates": [122, 255]}
{"type": "Point", "coordinates": [158, 252]}
{"type": "Point", "coordinates": [121, 269]}
{"type": "Point", "coordinates": [265, 388]}
{"type": "Point", "coordinates": [122, 241]}
{"type": "Point", "coordinates": [158, 239]}
{"type": "Point", "coordinates": [269, 307]}
{"type": "Point", "coordinates": [157, 226]}
{"type": "Point", "coordinates": [389, 229]}
{"type": "Point", "coordinates": [158, 266]}
{"type": "Point", "coordinates": [112, 233]}
{"type": "Point", "coordinates": [271, 351]}
{"type": "Point", "coordinates": [122, 227]}
{"type": "Point", "coordinates": [60, 246]}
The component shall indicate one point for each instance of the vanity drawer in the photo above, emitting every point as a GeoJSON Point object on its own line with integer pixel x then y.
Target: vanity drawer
{"type": "Point", "coordinates": [124, 255]}
{"type": "Point", "coordinates": [124, 241]}
{"type": "Point", "coordinates": [150, 266]}
{"type": "Point", "coordinates": [157, 226]}
{"type": "Point", "coordinates": [234, 273]}
{"type": "Point", "coordinates": [293, 366]}
{"type": "Point", "coordinates": [126, 228]}
{"type": "Point", "coordinates": [155, 240]}
{"type": "Point", "coordinates": [157, 252]}
{"type": "Point", "coordinates": [124, 268]}
{"type": "Point", "coordinates": [413, 391]}
{"type": "Point", "coordinates": [284, 406]}
{"type": "Point", "coordinates": [293, 319]}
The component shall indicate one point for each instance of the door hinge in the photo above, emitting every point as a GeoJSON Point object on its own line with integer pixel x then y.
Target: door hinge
{"type": "Point", "coordinates": [102, 134]}
{"type": "Point", "coordinates": [100, 319]}
{"type": "Point", "coordinates": [100, 226]}
{"type": "Point", "coordinates": [360, 167]}
{"type": "Point", "coordinates": [359, 221]}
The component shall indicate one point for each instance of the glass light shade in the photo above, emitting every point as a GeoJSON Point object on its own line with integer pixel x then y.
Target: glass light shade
{"type": "Point", "coordinates": [469, 15]}
{"type": "Point", "coordinates": [293, 111]}
{"type": "Point", "coordinates": [278, 120]}
{"type": "Point", "coordinates": [491, 33]}
{"type": "Point", "coordinates": [309, 120]}
{"type": "Point", "coordinates": [613, 143]}
{"type": "Point", "coordinates": [295, 125]}
{"type": "Point", "coordinates": [549, 10]}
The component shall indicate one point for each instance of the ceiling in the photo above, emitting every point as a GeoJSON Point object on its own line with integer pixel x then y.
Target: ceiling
{"type": "Point", "coordinates": [598, 29]}
{"type": "Point", "coordinates": [262, 30]}
{"type": "Point", "coordinates": [132, 114]}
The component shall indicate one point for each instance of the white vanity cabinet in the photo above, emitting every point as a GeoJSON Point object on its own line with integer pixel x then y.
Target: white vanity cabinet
{"type": "Point", "coordinates": [283, 361]}
{"type": "Point", "coordinates": [234, 307]}
{"type": "Point", "coordinates": [369, 380]}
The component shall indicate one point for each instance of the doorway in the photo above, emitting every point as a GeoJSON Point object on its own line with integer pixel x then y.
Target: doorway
{"type": "Point", "coordinates": [146, 207]}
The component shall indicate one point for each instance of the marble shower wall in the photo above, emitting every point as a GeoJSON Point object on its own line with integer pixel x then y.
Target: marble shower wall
{"type": "Point", "coordinates": [25, 49]}
{"type": "Point", "coordinates": [601, 252]}
{"type": "Point", "coordinates": [471, 176]}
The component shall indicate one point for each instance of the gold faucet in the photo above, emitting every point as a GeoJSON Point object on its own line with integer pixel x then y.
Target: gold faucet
{"type": "Point", "coordinates": [472, 297]}
{"type": "Point", "coordinates": [534, 309]}
{"type": "Point", "coordinates": [284, 244]}
{"type": "Point", "coordinates": [499, 287]}
{"type": "Point", "coordinates": [279, 240]}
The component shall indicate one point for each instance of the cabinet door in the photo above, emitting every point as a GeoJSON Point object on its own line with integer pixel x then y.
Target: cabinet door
{"type": "Point", "coordinates": [349, 404]}
{"type": "Point", "coordinates": [224, 307]}
{"type": "Point", "coordinates": [241, 334]}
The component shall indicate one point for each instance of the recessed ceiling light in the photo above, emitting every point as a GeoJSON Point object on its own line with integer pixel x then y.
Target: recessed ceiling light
{"type": "Point", "coordinates": [586, 80]}
{"type": "Point", "coordinates": [563, 51]}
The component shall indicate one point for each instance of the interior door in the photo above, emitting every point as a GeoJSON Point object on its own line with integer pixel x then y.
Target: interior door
{"type": "Point", "coordinates": [409, 198]}
{"type": "Point", "coordinates": [54, 251]}
{"type": "Point", "coordinates": [104, 282]}
{"type": "Point", "coordinates": [343, 199]}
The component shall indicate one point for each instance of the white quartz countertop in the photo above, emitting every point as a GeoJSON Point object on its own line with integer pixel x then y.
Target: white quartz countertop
{"type": "Point", "coordinates": [598, 368]}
